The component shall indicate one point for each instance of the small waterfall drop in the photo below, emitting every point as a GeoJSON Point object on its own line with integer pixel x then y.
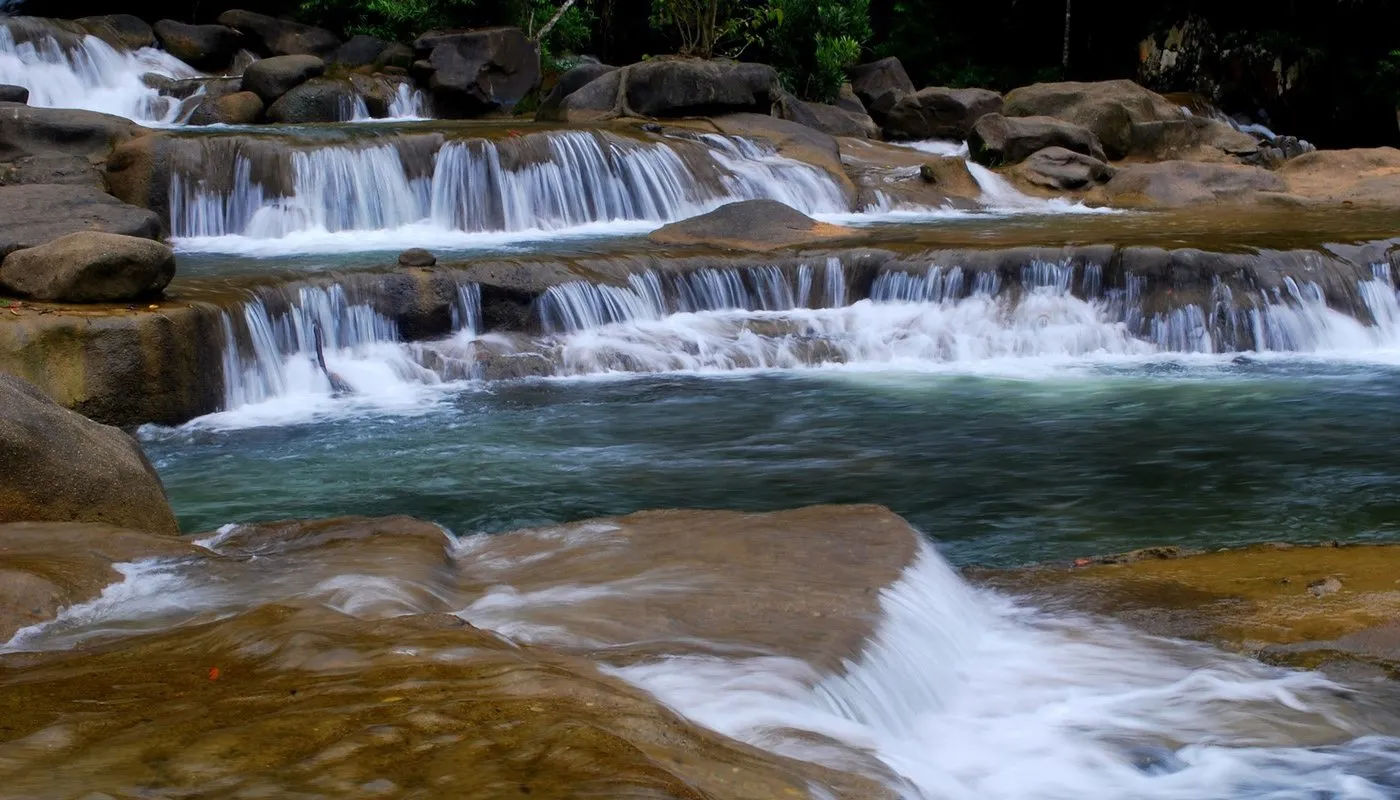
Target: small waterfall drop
{"type": "Point", "coordinates": [66, 69]}
{"type": "Point", "coordinates": [538, 182]}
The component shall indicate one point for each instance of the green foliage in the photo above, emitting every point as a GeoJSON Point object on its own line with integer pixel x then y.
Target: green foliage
{"type": "Point", "coordinates": [569, 36]}
{"type": "Point", "coordinates": [393, 20]}
{"type": "Point", "coordinates": [815, 41]}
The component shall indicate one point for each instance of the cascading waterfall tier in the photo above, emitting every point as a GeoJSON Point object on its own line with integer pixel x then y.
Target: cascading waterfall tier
{"type": "Point", "coordinates": [788, 316]}
{"type": "Point", "coordinates": [65, 67]}
{"type": "Point", "coordinates": [264, 189]}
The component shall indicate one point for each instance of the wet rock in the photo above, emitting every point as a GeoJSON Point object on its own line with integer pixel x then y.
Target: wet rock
{"type": "Point", "coordinates": [939, 113]}
{"type": "Point", "coordinates": [1110, 109]}
{"type": "Point", "coordinates": [996, 140]}
{"type": "Point", "coordinates": [830, 119]}
{"type": "Point", "coordinates": [204, 47]}
{"type": "Point", "coordinates": [239, 108]}
{"type": "Point", "coordinates": [699, 88]}
{"type": "Point", "coordinates": [35, 214]}
{"type": "Point", "coordinates": [48, 566]}
{"type": "Point", "coordinates": [750, 225]}
{"type": "Point", "coordinates": [599, 99]}
{"type": "Point", "coordinates": [13, 94]}
{"type": "Point", "coordinates": [273, 77]}
{"type": "Point", "coordinates": [1061, 169]}
{"type": "Point", "coordinates": [317, 100]}
{"type": "Point", "coordinates": [797, 142]}
{"type": "Point", "coordinates": [879, 85]}
{"type": "Point", "coordinates": [568, 83]}
{"type": "Point", "coordinates": [360, 51]}
{"type": "Point", "coordinates": [417, 257]}
{"type": "Point", "coordinates": [122, 31]}
{"type": "Point", "coordinates": [52, 145]}
{"type": "Point", "coordinates": [89, 267]}
{"type": "Point", "coordinates": [269, 36]}
{"type": "Point", "coordinates": [885, 174]}
{"type": "Point", "coordinates": [1325, 586]}
{"type": "Point", "coordinates": [62, 467]}
{"type": "Point", "coordinates": [477, 71]}
{"type": "Point", "coordinates": [1361, 177]}
{"type": "Point", "coordinates": [1185, 183]}
{"type": "Point", "coordinates": [119, 366]}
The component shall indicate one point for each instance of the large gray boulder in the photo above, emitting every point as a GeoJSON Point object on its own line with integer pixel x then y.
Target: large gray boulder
{"type": "Point", "coordinates": [880, 84]}
{"type": "Point", "coordinates": [317, 100]}
{"type": "Point", "coordinates": [273, 77]}
{"type": "Point", "coordinates": [1113, 110]}
{"type": "Point", "coordinates": [831, 119]}
{"type": "Point", "coordinates": [269, 36]}
{"type": "Point", "coordinates": [62, 467]}
{"type": "Point", "coordinates": [205, 47]}
{"type": "Point", "coordinates": [1063, 170]}
{"type": "Point", "coordinates": [89, 267]}
{"type": "Point", "coordinates": [360, 51]}
{"type": "Point", "coordinates": [122, 31]}
{"type": "Point", "coordinates": [568, 83]}
{"type": "Point", "coordinates": [34, 214]}
{"type": "Point", "coordinates": [700, 88]}
{"type": "Point", "coordinates": [939, 113]}
{"type": "Point", "coordinates": [474, 72]}
{"type": "Point", "coordinates": [996, 140]}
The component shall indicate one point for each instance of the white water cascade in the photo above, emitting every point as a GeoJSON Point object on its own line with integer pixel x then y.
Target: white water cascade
{"type": "Point", "coordinates": [963, 695]}
{"type": "Point", "coordinates": [62, 69]}
{"type": "Point", "coordinates": [541, 182]}
{"type": "Point", "coordinates": [409, 104]}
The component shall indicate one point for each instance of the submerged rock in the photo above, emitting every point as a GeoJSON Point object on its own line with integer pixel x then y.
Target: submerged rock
{"type": "Point", "coordinates": [89, 267]}
{"type": "Point", "coordinates": [49, 566]}
{"type": "Point", "coordinates": [204, 47]}
{"type": "Point", "coordinates": [63, 467]}
{"type": "Point", "coordinates": [750, 225]}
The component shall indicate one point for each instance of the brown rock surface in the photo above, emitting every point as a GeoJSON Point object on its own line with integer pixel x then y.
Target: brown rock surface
{"type": "Point", "coordinates": [751, 225]}
{"type": "Point", "coordinates": [1367, 177]}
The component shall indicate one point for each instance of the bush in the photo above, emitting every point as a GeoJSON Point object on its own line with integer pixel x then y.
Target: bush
{"type": "Point", "coordinates": [815, 41]}
{"type": "Point", "coordinates": [393, 20]}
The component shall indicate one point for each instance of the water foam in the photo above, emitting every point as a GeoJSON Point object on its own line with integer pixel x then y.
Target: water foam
{"type": "Point", "coordinates": [966, 695]}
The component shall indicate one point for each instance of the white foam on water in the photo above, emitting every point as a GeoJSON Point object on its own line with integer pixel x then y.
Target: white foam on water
{"type": "Point", "coordinates": [90, 74]}
{"type": "Point", "coordinates": [966, 696]}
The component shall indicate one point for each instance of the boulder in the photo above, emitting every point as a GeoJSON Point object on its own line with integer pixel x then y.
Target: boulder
{"type": "Point", "coordinates": [1364, 177]}
{"type": "Point", "coordinates": [273, 77]}
{"type": "Point", "coordinates": [939, 113]}
{"type": "Point", "coordinates": [880, 84]}
{"type": "Point", "coordinates": [317, 100]}
{"type": "Point", "coordinates": [29, 130]}
{"type": "Point", "coordinates": [750, 225]}
{"type": "Point", "coordinates": [1063, 170]}
{"type": "Point", "coordinates": [568, 83]}
{"type": "Point", "coordinates": [699, 88]}
{"type": "Point", "coordinates": [122, 31]}
{"type": "Point", "coordinates": [996, 140]}
{"type": "Point", "coordinates": [599, 99]}
{"type": "Point", "coordinates": [477, 71]}
{"type": "Point", "coordinates": [847, 100]}
{"type": "Point", "coordinates": [62, 467]}
{"type": "Point", "coordinates": [360, 51]}
{"type": "Point", "coordinates": [830, 119]}
{"type": "Point", "coordinates": [13, 94]}
{"type": "Point", "coordinates": [1186, 183]}
{"type": "Point", "coordinates": [34, 214]}
{"type": "Point", "coordinates": [239, 108]}
{"type": "Point", "coordinates": [1110, 109]}
{"type": "Point", "coordinates": [269, 36]}
{"type": "Point", "coordinates": [205, 47]}
{"type": "Point", "coordinates": [89, 267]}
{"type": "Point", "coordinates": [395, 56]}
{"type": "Point", "coordinates": [417, 257]}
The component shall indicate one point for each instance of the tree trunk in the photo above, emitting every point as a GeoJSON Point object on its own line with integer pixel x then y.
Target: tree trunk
{"type": "Point", "coordinates": [1064, 54]}
{"type": "Point", "coordinates": [548, 26]}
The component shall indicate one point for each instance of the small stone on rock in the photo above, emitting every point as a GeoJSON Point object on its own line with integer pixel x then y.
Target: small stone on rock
{"type": "Point", "coordinates": [417, 257]}
{"type": "Point", "coordinates": [1324, 587]}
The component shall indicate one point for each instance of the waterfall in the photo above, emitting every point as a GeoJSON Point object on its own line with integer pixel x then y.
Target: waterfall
{"type": "Point", "coordinates": [548, 181]}
{"type": "Point", "coordinates": [66, 69]}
